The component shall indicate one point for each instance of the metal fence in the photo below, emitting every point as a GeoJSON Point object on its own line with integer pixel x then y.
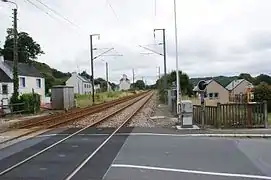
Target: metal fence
{"type": "Point", "coordinates": [245, 115]}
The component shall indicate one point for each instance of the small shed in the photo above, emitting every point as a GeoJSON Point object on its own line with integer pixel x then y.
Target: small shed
{"type": "Point", "coordinates": [62, 97]}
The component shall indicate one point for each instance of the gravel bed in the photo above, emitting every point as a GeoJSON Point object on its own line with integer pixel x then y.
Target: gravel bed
{"type": "Point", "coordinates": [119, 118]}
{"type": "Point", "coordinates": [83, 122]}
{"type": "Point", "coordinates": [142, 118]}
{"type": "Point", "coordinates": [147, 116]}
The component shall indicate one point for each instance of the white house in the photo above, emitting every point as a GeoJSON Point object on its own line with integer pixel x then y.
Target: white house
{"type": "Point", "coordinates": [124, 83]}
{"type": "Point", "coordinates": [29, 79]}
{"type": "Point", "coordinates": [80, 84]}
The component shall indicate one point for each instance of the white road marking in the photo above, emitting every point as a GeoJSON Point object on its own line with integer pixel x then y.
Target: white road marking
{"type": "Point", "coordinates": [172, 135]}
{"type": "Point", "coordinates": [191, 171]}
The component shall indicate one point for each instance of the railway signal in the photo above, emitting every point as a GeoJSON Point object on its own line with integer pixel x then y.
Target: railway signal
{"type": "Point", "coordinates": [202, 85]}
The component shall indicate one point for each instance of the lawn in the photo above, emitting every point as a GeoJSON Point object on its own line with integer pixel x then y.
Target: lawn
{"type": "Point", "coordinates": [86, 100]}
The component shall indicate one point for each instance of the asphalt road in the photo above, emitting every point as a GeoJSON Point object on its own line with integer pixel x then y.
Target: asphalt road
{"type": "Point", "coordinates": [140, 157]}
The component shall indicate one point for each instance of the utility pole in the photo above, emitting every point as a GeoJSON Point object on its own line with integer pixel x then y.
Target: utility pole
{"type": "Point", "coordinates": [15, 56]}
{"type": "Point", "coordinates": [177, 60]}
{"type": "Point", "coordinates": [15, 52]}
{"type": "Point", "coordinates": [92, 69]}
{"type": "Point", "coordinates": [165, 58]}
{"type": "Point", "coordinates": [133, 76]}
{"type": "Point", "coordinates": [91, 62]}
{"type": "Point", "coordinates": [159, 74]}
{"type": "Point", "coordinates": [106, 70]}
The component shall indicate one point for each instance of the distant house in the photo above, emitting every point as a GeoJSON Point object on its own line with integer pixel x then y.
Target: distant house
{"type": "Point", "coordinates": [80, 84]}
{"type": "Point", "coordinates": [215, 92]}
{"type": "Point", "coordinates": [29, 79]}
{"type": "Point", "coordinates": [238, 89]}
{"type": "Point", "coordinates": [124, 83]}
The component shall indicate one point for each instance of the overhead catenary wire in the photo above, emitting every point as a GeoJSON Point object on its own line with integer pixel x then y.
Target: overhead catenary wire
{"type": "Point", "coordinates": [33, 4]}
{"type": "Point", "coordinates": [51, 16]}
{"type": "Point", "coordinates": [57, 13]}
{"type": "Point", "coordinates": [111, 7]}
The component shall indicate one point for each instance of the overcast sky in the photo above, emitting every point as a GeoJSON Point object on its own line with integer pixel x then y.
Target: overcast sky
{"type": "Point", "coordinates": [215, 37]}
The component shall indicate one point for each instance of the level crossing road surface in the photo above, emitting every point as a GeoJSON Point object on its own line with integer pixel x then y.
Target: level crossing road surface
{"type": "Point", "coordinates": [138, 153]}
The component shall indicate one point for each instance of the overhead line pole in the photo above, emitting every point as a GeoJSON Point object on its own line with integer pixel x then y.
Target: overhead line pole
{"type": "Point", "coordinates": [165, 57]}
{"type": "Point", "coordinates": [106, 70]}
{"type": "Point", "coordinates": [91, 61]}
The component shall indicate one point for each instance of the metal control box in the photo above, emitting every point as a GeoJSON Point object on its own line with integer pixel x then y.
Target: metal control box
{"type": "Point", "coordinates": [187, 113]}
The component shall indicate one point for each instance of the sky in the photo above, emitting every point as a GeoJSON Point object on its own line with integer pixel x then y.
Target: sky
{"type": "Point", "coordinates": [215, 37]}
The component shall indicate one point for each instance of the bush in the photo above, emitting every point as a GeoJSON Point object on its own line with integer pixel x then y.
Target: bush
{"type": "Point", "coordinates": [32, 102]}
{"type": "Point", "coordinates": [112, 94]}
{"type": "Point", "coordinates": [263, 93]}
{"type": "Point", "coordinates": [97, 97]}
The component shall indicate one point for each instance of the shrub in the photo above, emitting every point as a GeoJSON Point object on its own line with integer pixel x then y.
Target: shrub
{"type": "Point", "coordinates": [97, 97]}
{"type": "Point", "coordinates": [32, 102]}
{"type": "Point", "coordinates": [263, 93]}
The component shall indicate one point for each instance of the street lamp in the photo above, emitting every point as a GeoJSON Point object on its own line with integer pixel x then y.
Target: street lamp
{"type": "Point", "coordinates": [91, 61]}
{"type": "Point", "coordinates": [15, 52]}
{"type": "Point", "coordinates": [11, 3]}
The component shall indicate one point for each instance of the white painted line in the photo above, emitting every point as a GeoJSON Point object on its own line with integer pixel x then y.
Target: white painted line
{"type": "Point", "coordinates": [191, 171]}
{"type": "Point", "coordinates": [92, 154]}
{"type": "Point", "coordinates": [163, 134]}
{"type": "Point", "coordinates": [42, 151]}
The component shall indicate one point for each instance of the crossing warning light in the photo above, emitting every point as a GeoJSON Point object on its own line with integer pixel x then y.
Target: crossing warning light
{"type": "Point", "coordinates": [202, 85]}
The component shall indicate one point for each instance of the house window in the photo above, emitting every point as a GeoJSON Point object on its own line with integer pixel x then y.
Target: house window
{"type": "Point", "coordinates": [215, 95]}
{"type": "Point", "coordinates": [210, 95]}
{"type": "Point", "coordinates": [22, 81]}
{"type": "Point", "coordinates": [38, 82]}
{"type": "Point", "coordinates": [85, 85]}
{"type": "Point", "coordinates": [4, 89]}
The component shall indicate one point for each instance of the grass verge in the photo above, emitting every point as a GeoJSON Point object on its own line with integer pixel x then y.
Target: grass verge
{"type": "Point", "coordinates": [86, 100]}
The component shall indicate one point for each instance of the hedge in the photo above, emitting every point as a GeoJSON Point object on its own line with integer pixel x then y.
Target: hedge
{"type": "Point", "coordinates": [32, 102]}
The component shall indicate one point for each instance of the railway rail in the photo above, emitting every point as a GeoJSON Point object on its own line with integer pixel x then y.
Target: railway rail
{"type": "Point", "coordinates": [138, 102]}
{"type": "Point", "coordinates": [53, 121]}
{"type": "Point", "coordinates": [47, 118]}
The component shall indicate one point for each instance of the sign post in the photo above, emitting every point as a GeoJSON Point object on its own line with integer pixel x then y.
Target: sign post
{"type": "Point", "coordinates": [202, 89]}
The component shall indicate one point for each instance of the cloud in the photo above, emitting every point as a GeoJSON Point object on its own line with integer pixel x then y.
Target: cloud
{"type": "Point", "coordinates": [215, 37]}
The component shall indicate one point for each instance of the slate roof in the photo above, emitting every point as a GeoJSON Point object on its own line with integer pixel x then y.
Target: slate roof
{"type": "Point", "coordinates": [84, 79]}
{"type": "Point", "coordinates": [208, 82]}
{"type": "Point", "coordinates": [24, 69]}
{"type": "Point", "coordinates": [4, 77]}
{"type": "Point", "coordinates": [122, 79]}
{"type": "Point", "coordinates": [234, 84]}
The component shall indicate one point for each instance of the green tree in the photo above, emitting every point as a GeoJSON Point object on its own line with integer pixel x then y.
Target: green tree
{"type": "Point", "coordinates": [263, 93]}
{"type": "Point", "coordinates": [247, 77]}
{"type": "Point", "coordinates": [139, 84]}
{"type": "Point", "coordinates": [263, 78]}
{"type": "Point", "coordinates": [28, 49]}
{"type": "Point", "coordinates": [86, 75]}
{"type": "Point", "coordinates": [102, 83]}
{"type": "Point", "coordinates": [185, 85]}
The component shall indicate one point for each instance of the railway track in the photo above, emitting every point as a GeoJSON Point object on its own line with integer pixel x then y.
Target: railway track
{"type": "Point", "coordinates": [53, 121]}
{"type": "Point", "coordinates": [36, 121]}
{"type": "Point", "coordinates": [138, 103]}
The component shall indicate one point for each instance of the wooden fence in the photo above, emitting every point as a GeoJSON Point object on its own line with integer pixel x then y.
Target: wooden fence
{"type": "Point", "coordinates": [252, 115]}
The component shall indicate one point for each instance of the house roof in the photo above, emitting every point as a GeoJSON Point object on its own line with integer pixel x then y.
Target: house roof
{"type": "Point", "coordinates": [122, 79]}
{"type": "Point", "coordinates": [84, 79]}
{"type": "Point", "coordinates": [208, 82]}
{"type": "Point", "coordinates": [24, 69]}
{"type": "Point", "coordinates": [234, 84]}
{"type": "Point", "coordinates": [4, 77]}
